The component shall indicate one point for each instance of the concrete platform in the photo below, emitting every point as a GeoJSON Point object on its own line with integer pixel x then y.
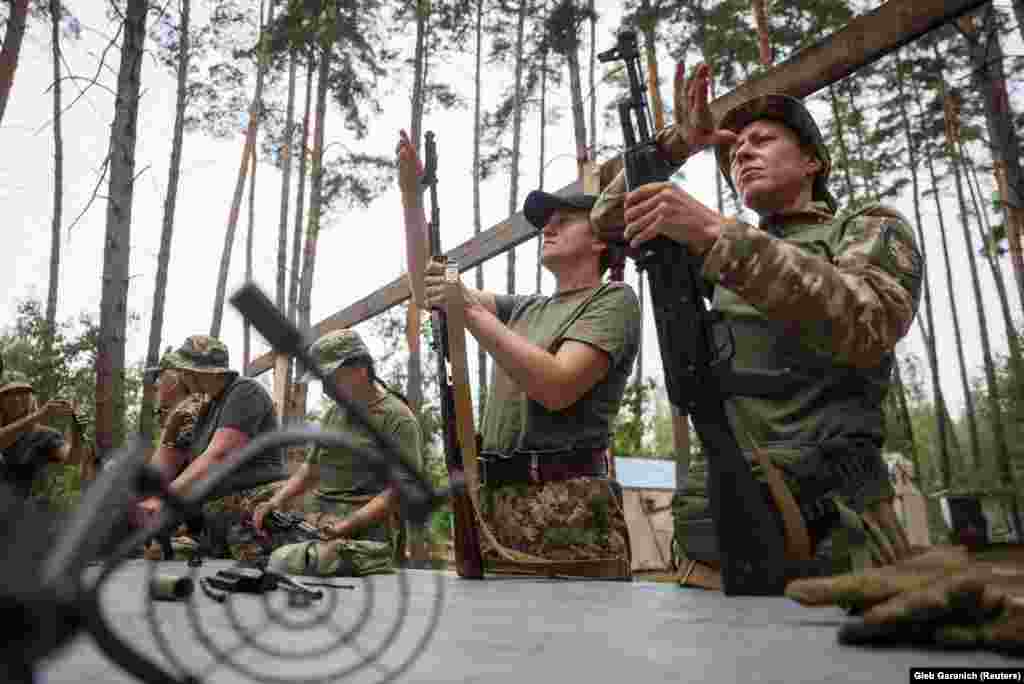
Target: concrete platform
{"type": "Point", "coordinates": [501, 630]}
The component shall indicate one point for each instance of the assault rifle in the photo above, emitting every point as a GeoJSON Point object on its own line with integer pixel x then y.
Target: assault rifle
{"type": "Point", "coordinates": [278, 521]}
{"type": "Point", "coordinates": [468, 558]}
{"type": "Point", "coordinates": [751, 549]}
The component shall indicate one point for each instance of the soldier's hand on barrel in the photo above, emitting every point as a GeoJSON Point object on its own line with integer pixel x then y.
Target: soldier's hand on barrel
{"type": "Point", "coordinates": [666, 209]}
{"type": "Point", "coordinates": [410, 168]}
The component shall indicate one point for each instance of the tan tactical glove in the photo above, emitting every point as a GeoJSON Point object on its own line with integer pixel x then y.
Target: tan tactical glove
{"type": "Point", "coordinates": [943, 597]}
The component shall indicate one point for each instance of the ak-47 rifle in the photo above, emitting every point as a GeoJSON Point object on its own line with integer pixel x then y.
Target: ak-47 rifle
{"type": "Point", "coordinates": [468, 558]}
{"type": "Point", "coordinates": [751, 548]}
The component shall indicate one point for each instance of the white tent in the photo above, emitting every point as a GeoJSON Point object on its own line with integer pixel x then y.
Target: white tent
{"type": "Point", "coordinates": [647, 487]}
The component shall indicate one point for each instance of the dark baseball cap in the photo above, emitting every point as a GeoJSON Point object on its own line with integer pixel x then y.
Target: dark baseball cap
{"type": "Point", "coordinates": [539, 206]}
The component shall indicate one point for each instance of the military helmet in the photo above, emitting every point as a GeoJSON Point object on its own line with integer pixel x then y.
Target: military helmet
{"type": "Point", "coordinates": [199, 353]}
{"type": "Point", "coordinates": [334, 350]}
{"type": "Point", "coordinates": [790, 112]}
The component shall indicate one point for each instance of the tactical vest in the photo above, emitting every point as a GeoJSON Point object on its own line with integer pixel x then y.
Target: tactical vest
{"type": "Point", "coordinates": [790, 367]}
{"type": "Point", "coordinates": [821, 421]}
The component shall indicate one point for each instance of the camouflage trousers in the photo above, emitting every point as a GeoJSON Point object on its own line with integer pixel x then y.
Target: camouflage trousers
{"type": "Point", "coordinates": [861, 534]}
{"type": "Point", "coordinates": [576, 519]}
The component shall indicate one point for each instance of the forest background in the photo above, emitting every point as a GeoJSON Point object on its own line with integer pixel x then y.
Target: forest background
{"type": "Point", "coordinates": [125, 237]}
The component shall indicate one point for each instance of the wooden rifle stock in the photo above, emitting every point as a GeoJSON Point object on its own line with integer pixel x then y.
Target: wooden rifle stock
{"type": "Point", "coordinates": [468, 557]}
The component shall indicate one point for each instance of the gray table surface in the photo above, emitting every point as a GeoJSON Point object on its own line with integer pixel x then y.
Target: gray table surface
{"type": "Point", "coordinates": [505, 629]}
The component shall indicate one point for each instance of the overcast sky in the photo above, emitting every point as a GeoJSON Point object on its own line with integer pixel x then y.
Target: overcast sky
{"type": "Point", "coordinates": [358, 251]}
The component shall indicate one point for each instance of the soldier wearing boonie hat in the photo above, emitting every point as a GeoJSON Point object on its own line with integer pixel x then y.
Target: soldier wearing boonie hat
{"type": "Point", "coordinates": [347, 502]}
{"type": "Point", "coordinates": [237, 410]}
{"type": "Point", "coordinates": [816, 298]}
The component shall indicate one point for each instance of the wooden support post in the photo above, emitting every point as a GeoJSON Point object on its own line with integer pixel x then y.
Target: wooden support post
{"type": "Point", "coordinates": [280, 400]}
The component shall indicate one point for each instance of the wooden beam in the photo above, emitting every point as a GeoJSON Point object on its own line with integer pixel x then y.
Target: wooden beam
{"type": "Point", "coordinates": [492, 242]}
{"type": "Point", "coordinates": [864, 40]}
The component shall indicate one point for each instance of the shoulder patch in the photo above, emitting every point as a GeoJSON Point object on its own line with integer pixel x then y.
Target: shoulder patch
{"type": "Point", "coordinates": [901, 252]}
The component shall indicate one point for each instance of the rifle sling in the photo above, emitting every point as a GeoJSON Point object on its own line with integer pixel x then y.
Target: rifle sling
{"type": "Point", "coordinates": [512, 560]}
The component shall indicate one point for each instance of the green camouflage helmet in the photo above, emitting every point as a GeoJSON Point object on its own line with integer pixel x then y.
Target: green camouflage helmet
{"type": "Point", "coordinates": [334, 350]}
{"type": "Point", "coordinates": [14, 381]}
{"type": "Point", "coordinates": [790, 112]}
{"type": "Point", "coordinates": [199, 353]}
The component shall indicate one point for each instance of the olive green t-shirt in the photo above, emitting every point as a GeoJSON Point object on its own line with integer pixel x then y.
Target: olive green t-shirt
{"type": "Point", "coordinates": [606, 317]}
{"type": "Point", "coordinates": [343, 474]}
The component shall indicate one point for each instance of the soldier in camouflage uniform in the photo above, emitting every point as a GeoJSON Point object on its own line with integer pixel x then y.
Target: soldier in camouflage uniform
{"type": "Point", "coordinates": [357, 512]}
{"type": "Point", "coordinates": [816, 300]}
{"type": "Point", "coordinates": [561, 364]}
{"type": "Point", "coordinates": [237, 410]}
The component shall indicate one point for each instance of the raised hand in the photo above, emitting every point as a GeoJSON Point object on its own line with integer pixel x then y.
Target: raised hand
{"type": "Point", "coordinates": [693, 126]}
{"type": "Point", "coordinates": [410, 168]}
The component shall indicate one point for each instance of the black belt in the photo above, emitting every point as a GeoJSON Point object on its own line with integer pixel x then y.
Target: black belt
{"type": "Point", "coordinates": [540, 467]}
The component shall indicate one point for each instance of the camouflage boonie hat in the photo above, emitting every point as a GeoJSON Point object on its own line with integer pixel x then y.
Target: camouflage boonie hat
{"type": "Point", "coordinates": [335, 349]}
{"type": "Point", "coordinates": [161, 366]}
{"type": "Point", "coordinates": [14, 381]}
{"type": "Point", "coordinates": [199, 353]}
{"type": "Point", "coordinates": [792, 113]}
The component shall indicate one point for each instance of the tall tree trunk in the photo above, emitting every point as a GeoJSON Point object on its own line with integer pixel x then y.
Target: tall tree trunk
{"type": "Point", "coordinates": [156, 323]}
{"type": "Point", "coordinates": [297, 246]}
{"type": "Point", "coordinates": [989, 79]}
{"type": "Point", "coordinates": [908, 428]}
{"type": "Point", "coordinates": [868, 177]}
{"type": "Point", "coordinates": [972, 425]}
{"type": "Point", "coordinates": [315, 192]}
{"type": "Point", "coordinates": [286, 184]}
{"type": "Point", "coordinates": [58, 176]}
{"type": "Point", "coordinates": [110, 400]}
{"type": "Point", "coordinates": [419, 74]}
{"type": "Point", "coordinates": [579, 124]}
{"type": "Point", "coordinates": [985, 229]}
{"type": "Point", "coordinates": [844, 155]}
{"type": "Point", "coordinates": [481, 368]}
{"type": "Point", "coordinates": [248, 149]}
{"type": "Point", "coordinates": [11, 49]}
{"type": "Point", "coordinates": [995, 409]}
{"type": "Point", "coordinates": [287, 152]}
{"type": "Point", "coordinates": [543, 150]}
{"type": "Point", "coordinates": [246, 329]}
{"type": "Point", "coordinates": [933, 359]}
{"type": "Point", "coordinates": [593, 82]}
{"type": "Point", "coordinates": [517, 130]}
{"type": "Point", "coordinates": [414, 386]}
{"type": "Point", "coordinates": [300, 195]}
{"type": "Point", "coordinates": [648, 20]}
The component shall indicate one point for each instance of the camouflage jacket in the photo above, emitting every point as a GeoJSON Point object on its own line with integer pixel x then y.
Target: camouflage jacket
{"type": "Point", "coordinates": [816, 304]}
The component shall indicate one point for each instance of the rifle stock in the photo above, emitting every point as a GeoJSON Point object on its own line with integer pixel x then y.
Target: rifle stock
{"type": "Point", "coordinates": [751, 548]}
{"type": "Point", "coordinates": [468, 557]}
